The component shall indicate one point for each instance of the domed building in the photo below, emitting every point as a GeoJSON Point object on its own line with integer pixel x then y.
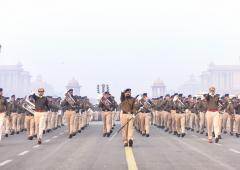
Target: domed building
{"type": "Point", "coordinates": [158, 88]}
{"type": "Point", "coordinates": [73, 84]}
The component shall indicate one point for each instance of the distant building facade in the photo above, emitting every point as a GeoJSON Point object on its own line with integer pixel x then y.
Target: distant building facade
{"type": "Point", "coordinates": [226, 78]}
{"type": "Point", "coordinates": [15, 80]}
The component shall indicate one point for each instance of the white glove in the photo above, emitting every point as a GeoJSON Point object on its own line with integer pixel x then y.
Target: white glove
{"type": "Point", "coordinates": [133, 116]}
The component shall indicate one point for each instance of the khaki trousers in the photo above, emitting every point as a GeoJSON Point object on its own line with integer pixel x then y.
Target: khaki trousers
{"type": "Point", "coordinates": [49, 120]}
{"type": "Point", "coordinates": [226, 117]}
{"type": "Point", "coordinates": [136, 122]}
{"type": "Point", "coordinates": [237, 119]}
{"type": "Point", "coordinates": [2, 117]}
{"type": "Point", "coordinates": [180, 122]}
{"type": "Point", "coordinates": [80, 119]}
{"type": "Point", "coordinates": [158, 118]}
{"type": "Point", "coordinates": [70, 115]}
{"type": "Point", "coordinates": [7, 124]}
{"type": "Point", "coordinates": [145, 119]}
{"type": "Point", "coordinates": [106, 117]}
{"type": "Point", "coordinates": [202, 121]}
{"type": "Point", "coordinates": [166, 117]}
{"type": "Point", "coordinates": [29, 123]}
{"type": "Point", "coordinates": [127, 131]}
{"type": "Point", "coordinates": [188, 116]}
{"type": "Point", "coordinates": [194, 121]}
{"type": "Point", "coordinates": [22, 121]}
{"type": "Point", "coordinates": [76, 122]}
{"type": "Point", "coordinates": [221, 122]}
{"type": "Point", "coordinates": [213, 124]}
{"type": "Point", "coordinates": [40, 118]}
{"type": "Point", "coordinates": [173, 113]}
{"type": "Point", "coordinates": [16, 122]}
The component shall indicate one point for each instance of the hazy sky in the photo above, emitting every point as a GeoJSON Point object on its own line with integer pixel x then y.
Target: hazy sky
{"type": "Point", "coordinates": [123, 43]}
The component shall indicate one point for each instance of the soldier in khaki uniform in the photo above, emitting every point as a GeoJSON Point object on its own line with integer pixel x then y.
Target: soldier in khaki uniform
{"type": "Point", "coordinates": [187, 103]}
{"type": "Point", "coordinates": [212, 115]}
{"type": "Point", "coordinates": [144, 106]}
{"type": "Point", "coordinates": [3, 108]}
{"type": "Point", "coordinates": [41, 110]}
{"type": "Point", "coordinates": [127, 116]}
{"type": "Point", "coordinates": [106, 105]}
{"type": "Point", "coordinates": [69, 105]}
{"type": "Point", "coordinates": [29, 124]}
{"type": "Point", "coordinates": [237, 117]}
{"type": "Point", "coordinates": [15, 117]}
{"type": "Point", "coordinates": [202, 114]}
{"type": "Point", "coordinates": [179, 116]}
{"type": "Point", "coordinates": [167, 106]}
{"type": "Point", "coordinates": [228, 115]}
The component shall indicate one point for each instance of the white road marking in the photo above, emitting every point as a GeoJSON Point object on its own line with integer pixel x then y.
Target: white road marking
{"type": "Point", "coordinates": [36, 146]}
{"type": "Point", "coordinates": [54, 137]}
{"type": "Point", "coordinates": [235, 151]}
{"type": "Point", "coordinates": [5, 162]}
{"type": "Point", "coordinates": [218, 144]}
{"type": "Point", "coordinates": [48, 140]}
{"type": "Point", "coordinates": [194, 135]}
{"type": "Point", "coordinates": [23, 153]}
{"type": "Point", "coordinates": [61, 133]}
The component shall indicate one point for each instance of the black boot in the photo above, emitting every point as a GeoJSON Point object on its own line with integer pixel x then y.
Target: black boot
{"type": "Point", "coordinates": [70, 136]}
{"type": "Point", "coordinates": [130, 143]}
{"type": "Point", "coordinates": [30, 138]}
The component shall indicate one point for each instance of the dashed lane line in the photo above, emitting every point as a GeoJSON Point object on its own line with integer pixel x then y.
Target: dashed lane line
{"type": "Point", "coordinates": [47, 140]}
{"type": "Point", "coordinates": [235, 151]}
{"type": "Point", "coordinates": [36, 146]}
{"type": "Point", "coordinates": [5, 162]}
{"type": "Point", "coordinates": [23, 153]}
{"type": "Point", "coordinates": [130, 159]}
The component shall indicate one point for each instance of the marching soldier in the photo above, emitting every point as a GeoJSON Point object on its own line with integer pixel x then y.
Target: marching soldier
{"type": "Point", "coordinates": [145, 106]}
{"type": "Point", "coordinates": [237, 117]}
{"type": "Point", "coordinates": [29, 120]}
{"type": "Point", "coordinates": [196, 113]}
{"type": "Point", "coordinates": [167, 106]}
{"type": "Point", "coordinates": [106, 104]}
{"type": "Point", "coordinates": [228, 115]}
{"type": "Point", "coordinates": [180, 116]}
{"type": "Point", "coordinates": [41, 109]}
{"type": "Point", "coordinates": [8, 121]}
{"type": "Point", "coordinates": [3, 108]}
{"type": "Point", "coordinates": [212, 115]}
{"type": "Point", "coordinates": [127, 116]}
{"type": "Point", "coordinates": [15, 117]}
{"type": "Point", "coordinates": [188, 105]}
{"type": "Point", "coordinates": [69, 105]}
{"type": "Point", "coordinates": [202, 114]}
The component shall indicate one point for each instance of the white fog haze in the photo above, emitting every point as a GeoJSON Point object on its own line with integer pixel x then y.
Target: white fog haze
{"type": "Point", "coordinates": [123, 44]}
